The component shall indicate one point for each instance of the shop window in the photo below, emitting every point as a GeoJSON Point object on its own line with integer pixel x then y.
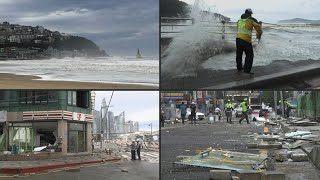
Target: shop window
{"type": "Point", "coordinates": [78, 98]}
{"type": "Point", "coordinates": [33, 97]}
{"type": "Point", "coordinates": [53, 97]}
{"type": "Point", "coordinates": [2, 98]}
{"type": "Point", "coordinates": [70, 97]}
{"type": "Point", "coordinates": [40, 97]}
{"type": "Point", "coordinates": [82, 99]}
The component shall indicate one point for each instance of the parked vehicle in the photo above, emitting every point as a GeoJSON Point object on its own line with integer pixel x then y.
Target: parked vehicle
{"type": "Point", "coordinates": [199, 115]}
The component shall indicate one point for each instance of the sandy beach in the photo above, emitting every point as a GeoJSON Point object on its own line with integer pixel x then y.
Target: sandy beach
{"type": "Point", "coordinates": [12, 81]}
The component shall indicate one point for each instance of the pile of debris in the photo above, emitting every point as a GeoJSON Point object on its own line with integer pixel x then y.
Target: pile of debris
{"type": "Point", "coordinates": [301, 122]}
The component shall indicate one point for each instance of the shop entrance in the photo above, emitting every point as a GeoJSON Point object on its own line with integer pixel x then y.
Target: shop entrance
{"type": "Point", "coordinates": [76, 138]}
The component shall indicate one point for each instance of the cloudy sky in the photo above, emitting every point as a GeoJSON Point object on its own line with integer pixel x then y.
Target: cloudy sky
{"type": "Point", "coordinates": [142, 106]}
{"type": "Point", "coordinates": [117, 26]}
{"type": "Point", "coordinates": [265, 10]}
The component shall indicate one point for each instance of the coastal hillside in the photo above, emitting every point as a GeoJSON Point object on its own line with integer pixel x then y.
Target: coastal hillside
{"type": "Point", "coordinates": [27, 42]}
{"type": "Point", "coordinates": [299, 21]}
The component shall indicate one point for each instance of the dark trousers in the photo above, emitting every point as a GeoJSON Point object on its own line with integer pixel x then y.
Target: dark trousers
{"type": "Point", "coordinates": [229, 114]}
{"type": "Point", "coordinates": [138, 153]}
{"type": "Point", "coordinates": [288, 112]}
{"type": "Point", "coordinates": [244, 115]}
{"type": "Point", "coordinates": [133, 155]}
{"type": "Point", "coordinates": [246, 47]}
{"type": "Point", "coordinates": [183, 116]}
{"type": "Point", "coordinates": [193, 118]}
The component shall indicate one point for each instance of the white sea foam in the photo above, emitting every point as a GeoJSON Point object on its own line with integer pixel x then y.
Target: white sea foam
{"type": "Point", "coordinates": [200, 47]}
{"type": "Point", "coordinates": [101, 69]}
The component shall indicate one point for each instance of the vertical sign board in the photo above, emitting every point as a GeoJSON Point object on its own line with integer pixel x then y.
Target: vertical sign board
{"type": "Point", "coordinates": [3, 116]}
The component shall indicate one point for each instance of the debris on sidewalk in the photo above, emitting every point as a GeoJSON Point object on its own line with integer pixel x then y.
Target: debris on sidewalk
{"type": "Point", "coordinates": [221, 159]}
{"type": "Point", "coordinates": [302, 122]}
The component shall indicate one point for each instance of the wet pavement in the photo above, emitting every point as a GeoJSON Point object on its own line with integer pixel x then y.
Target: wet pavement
{"type": "Point", "coordinates": [129, 170]}
{"type": "Point", "coordinates": [186, 139]}
{"type": "Point", "coordinates": [278, 74]}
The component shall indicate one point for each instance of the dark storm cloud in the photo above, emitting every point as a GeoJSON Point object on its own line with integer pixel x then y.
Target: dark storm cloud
{"type": "Point", "coordinates": [118, 26]}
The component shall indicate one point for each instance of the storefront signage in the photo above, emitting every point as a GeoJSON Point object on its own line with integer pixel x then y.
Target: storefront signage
{"type": "Point", "coordinates": [55, 115]}
{"type": "Point", "coordinates": [78, 116]}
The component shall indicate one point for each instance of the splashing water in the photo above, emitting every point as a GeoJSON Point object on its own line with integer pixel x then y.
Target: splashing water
{"type": "Point", "coordinates": [196, 44]}
{"type": "Point", "coordinates": [197, 47]}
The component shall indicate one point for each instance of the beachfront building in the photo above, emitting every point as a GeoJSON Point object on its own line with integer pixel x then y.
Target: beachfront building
{"type": "Point", "coordinates": [60, 121]}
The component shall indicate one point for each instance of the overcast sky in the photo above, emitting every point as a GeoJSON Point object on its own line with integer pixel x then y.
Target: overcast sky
{"type": "Point", "coordinates": [118, 26]}
{"type": "Point", "coordinates": [142, 106]}
{"type": "Point", "coordinates": [265, 10]}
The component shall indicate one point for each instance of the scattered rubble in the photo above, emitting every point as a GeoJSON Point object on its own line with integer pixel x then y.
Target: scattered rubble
{"type": "Point", "coordinates": [221, 159]}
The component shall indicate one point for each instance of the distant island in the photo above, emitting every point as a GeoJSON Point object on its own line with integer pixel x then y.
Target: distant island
{"type": "Point", "coordinates": [176, 8]}
{"type": "Point", "coordinates": [300, 21]}
{"type": "Point", "coordinates": [27, 42]}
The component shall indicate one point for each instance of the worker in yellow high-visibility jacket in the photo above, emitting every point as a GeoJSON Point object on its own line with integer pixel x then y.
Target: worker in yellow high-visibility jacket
{"type": "Point", "coordinates": [244, 40]}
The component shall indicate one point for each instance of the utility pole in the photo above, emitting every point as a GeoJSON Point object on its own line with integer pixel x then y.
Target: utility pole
{"type": "Point", "coordinates": [282, 104]}
{"type": "Point", "coordinates": [275, 101]}
{"type": "Point", "coordinates": [107, 115]}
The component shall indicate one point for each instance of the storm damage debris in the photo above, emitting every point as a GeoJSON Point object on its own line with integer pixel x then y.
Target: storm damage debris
{"type": "Point", "coordinates": [302, 122]}
{"type": "Point", "coordinates": [302, 135]}
{"type": "Point", "coordinates": [221, 159]}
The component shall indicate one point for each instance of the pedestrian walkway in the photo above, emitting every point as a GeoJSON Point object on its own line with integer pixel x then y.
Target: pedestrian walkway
{"type": "Point", "coordinates": [21, 167]}
{"type": "Point", "coordinates": [280, 73]}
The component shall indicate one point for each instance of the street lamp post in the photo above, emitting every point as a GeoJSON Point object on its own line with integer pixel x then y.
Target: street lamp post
{"type": "Point", "coordinates": [151, 128]}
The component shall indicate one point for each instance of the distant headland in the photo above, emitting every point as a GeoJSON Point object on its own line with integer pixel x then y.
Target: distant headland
{"type": "Point", "coordinates": [27, 42]}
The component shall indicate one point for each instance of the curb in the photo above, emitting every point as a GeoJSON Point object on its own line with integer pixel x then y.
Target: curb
{"type": "Point", "coordinates": [20, 170]}
{"type": "Point", "coordinates": [265, 79]}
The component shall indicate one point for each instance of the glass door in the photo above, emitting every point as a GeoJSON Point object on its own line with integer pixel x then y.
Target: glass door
{"type": "Point", "coordinates": [73, 142]}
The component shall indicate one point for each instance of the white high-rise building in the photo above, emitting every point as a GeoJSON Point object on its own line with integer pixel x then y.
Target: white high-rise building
{"type": "Point", "coordinates": [136, 126]}
{"type": "Point", "coordinates": [96, 122]}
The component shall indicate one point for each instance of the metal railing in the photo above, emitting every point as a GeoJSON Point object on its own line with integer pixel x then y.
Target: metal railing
{"type": "Point", "coordinates": [168, 22]}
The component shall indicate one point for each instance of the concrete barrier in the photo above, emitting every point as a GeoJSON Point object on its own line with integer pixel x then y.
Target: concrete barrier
{"type": "Point", "coordinates": [273, 175]}
{"type": "Point", "coordinates": [249, 175]}
{"type": "Point", "coordinates": [220, 174]}
{"type": "Point", "coordinates": [315, 156]}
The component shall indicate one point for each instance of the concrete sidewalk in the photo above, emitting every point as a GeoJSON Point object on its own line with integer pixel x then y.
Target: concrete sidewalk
{"type": "Point", "coordinates": [23, 167]}
{"type": "Point", "coordinates": [282, 73]}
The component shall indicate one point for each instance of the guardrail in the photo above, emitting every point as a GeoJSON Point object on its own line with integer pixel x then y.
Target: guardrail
{"type": "Point", "coordinates": [168, 22]}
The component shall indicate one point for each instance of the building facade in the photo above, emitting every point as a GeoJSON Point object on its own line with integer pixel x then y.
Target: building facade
{"type": "Point", "coordinates": [59, 119]}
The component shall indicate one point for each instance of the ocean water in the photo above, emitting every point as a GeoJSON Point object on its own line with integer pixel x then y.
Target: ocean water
{"type": "Point", "coordinates": [127, 70]}
{"type": "Point", "coordinates": [201, 46]}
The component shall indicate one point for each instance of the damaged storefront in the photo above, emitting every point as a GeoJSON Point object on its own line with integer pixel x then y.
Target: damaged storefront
{"type": "Point", "coordinates": [56, 122]}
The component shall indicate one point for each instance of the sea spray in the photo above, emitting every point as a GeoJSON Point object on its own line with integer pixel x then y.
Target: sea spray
{"type": "Point", "coordinates": [197, 43]}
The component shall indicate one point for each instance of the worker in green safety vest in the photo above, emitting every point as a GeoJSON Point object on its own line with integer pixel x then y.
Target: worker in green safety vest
{"type": "Point", "coordinates": [244, 40]}
{"type": "Point", "coordinates": [244, 107]}
{"type": "Point", "coordinates": [288, 107]}
{"type": "Point", "coordinates": [228, 111]}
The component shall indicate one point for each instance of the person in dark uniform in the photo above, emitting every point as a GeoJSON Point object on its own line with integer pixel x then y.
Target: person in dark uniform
{"type": "Point", "coordinates": [162, 118]}
{"type": "Point", "coordinates": [138, 149]}
{"type": "Point", "coordinates": [193, 113]}
{"type": "Point", "coordinates": [133, 148]}
{"type": "Point", "coordinates": [244, 40]}
{"type": "Point", "coordinates": [183, 111]}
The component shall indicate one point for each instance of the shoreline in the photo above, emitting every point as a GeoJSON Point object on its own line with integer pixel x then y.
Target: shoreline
{"type": "Point", "coordinates": [13, 81]}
